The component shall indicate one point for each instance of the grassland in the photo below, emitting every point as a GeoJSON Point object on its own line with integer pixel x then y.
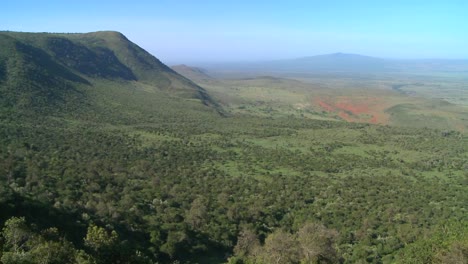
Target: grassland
{"type": "Point", "coordinates": [402, 100]}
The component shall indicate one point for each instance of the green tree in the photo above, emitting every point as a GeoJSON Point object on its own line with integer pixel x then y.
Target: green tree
{"type": "Point", "coordinates": [317, 243]}
{"type": "Point", "coordinates": [104, 245]}
{"type": "Point", "coordinates": [16, 234]}
{"type": "Point", "coordinates": [280, 248]}
{"type": "Point", "coordinates": [53, 252]}
{"type": "Point", "coordinates": [198, 213]}
{"type": "Point", "coordinates": [247, 245]}
{"type": "Point", "coordinates": [176, 241]}
{"type": "Point", "coordinates": [24, 246]}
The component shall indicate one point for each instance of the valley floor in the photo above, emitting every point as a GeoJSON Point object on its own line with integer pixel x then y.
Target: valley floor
{"type": "Point", "coordinates": [201, 188]}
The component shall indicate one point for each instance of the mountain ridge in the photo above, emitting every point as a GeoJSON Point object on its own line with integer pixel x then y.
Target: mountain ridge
{"type": "Point", "coordinates": [335, 63]}
{"type": "Point", "coordinates": [338, 55]}
{"type": "Point", "coordinates": [48, 62]}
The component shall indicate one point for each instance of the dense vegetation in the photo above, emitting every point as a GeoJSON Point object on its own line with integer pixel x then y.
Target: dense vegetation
{"type": "Point", "coordinates": [122, 172]}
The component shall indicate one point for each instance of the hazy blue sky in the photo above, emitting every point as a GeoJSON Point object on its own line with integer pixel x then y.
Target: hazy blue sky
{"type": "Point", "coordinates": [197, 30]}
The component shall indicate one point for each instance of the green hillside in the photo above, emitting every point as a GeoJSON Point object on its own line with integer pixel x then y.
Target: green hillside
{"type": "Point", "coordinates": [41, 66]}
{"type": "Point", "coordinates": [31, 78]}
{"type": "Point", "coordinates": [109, 156]}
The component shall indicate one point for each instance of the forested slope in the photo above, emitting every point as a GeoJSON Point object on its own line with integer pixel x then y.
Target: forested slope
{"type": "Point", "coordinates": [128, 172]}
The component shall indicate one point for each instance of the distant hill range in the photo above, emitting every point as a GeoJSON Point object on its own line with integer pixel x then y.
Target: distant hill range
{"type": "Point", "coordinates": [45, 69]}
{"type": "Point", "coordinates": [338, 63]}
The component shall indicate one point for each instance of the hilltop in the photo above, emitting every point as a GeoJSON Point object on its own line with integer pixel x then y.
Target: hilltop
{"type": "Point", "coordinates": [44, 70]}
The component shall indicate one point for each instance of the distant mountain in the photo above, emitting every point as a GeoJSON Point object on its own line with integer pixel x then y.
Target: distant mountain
{"type": "Point", "coordinates": [329, 63]}
{"type": "Point", "coordinates": [429, 65]}
{"type": "Point", "coordinates": [335, 63]}
{"type": "Point", "coordinates": [44, 69]}
{"type": "Point", "coordinates": [193, 73]}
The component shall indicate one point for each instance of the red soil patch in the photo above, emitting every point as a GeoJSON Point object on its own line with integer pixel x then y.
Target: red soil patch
{"type": "Point", "coordinates": [356, 109]}
{"type": "Point", "coordinates": [326, 106]}
{"type": "Point", "coordinates": [345, 116]}
{"type": "Point", "coordinates": [359, 109]}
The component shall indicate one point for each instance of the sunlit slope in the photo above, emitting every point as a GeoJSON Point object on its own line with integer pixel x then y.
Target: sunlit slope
{"type": "Point", "coordinates": [42, 70]}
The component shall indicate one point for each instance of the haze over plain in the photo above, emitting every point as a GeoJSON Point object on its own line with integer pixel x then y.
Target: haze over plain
{"type": "Point", "coordinates": [215, 31]}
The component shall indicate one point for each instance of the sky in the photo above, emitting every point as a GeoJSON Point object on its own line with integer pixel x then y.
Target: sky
{"type": "Point", "coordinates": [193, 31]}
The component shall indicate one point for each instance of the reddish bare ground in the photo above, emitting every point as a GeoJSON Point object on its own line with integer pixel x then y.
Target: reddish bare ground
{"type": "Point", "coordinates": [353, 108]}
{"type": "Point", "coordinates": [345, 116]}
{"type": "Point", "coordinates": [326, 106]}
{"type": "Point", "coordinates": [358, 109]}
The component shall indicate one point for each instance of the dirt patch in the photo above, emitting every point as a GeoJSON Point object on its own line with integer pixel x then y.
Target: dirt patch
{"type": "Point", "coordinates": [327, 107]}
{"type": "Point", "coordinates": [356, 109]}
